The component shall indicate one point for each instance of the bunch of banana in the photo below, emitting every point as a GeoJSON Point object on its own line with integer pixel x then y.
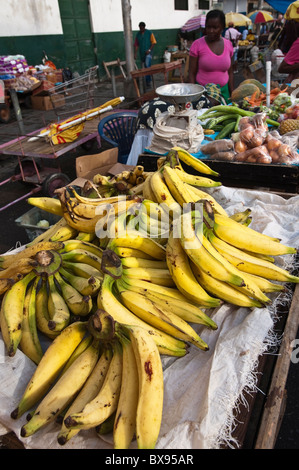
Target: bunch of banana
{"type": "Point", "coordinates": [126, 387]}
{"type": "Point", "coordinates": [127, 182]}
{"type": "Point", "coordinates": [62, 285]}
{"type": "Point", "coordinates": [93, 373]}
{"type": "Point", "coordinates": [141, 291]}
{"type": "Point", "coordinates": [173, 187]}
{"type": "Point", "coordinates": [226, 258]}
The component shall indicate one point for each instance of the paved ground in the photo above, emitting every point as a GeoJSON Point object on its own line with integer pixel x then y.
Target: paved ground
{"type": "Point", "coordinates": [12, 235]}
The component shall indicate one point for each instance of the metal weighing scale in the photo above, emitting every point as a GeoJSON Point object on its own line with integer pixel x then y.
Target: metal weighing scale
{"type": "Point", "coordinates": [181, 95]}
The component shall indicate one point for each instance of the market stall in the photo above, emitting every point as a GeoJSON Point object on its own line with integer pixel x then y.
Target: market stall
{"type": "Point", "coordinates": [206, 390]}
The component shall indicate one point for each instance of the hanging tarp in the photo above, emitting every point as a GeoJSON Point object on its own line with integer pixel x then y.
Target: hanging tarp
{"type": "Point", "coordinates": [279, 5]}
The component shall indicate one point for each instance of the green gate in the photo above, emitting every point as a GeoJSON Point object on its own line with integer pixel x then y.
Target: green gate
{"type": "Point", "coordinates": [78, 37]}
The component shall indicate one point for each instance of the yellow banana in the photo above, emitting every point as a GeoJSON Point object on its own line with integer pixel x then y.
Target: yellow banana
{"type": "Point", "coordinates": [155, 275]}
{"type": "Point", "coordinates": [30, 343]}
{"type": "Point", "coordinates": [29, 252]}
{"type": "Point", "coordinates": [147, 191]}
{"type": "Point", "coordinates": [264, 284]}
{"type": "Point", "coordinates": [199, 194]}
{"type": "Point", "coordinates": [18, 269]}
{"type": "Point", "coordinates": [77, 303]}
{"type": "Point", "coordinates": [134, 240]}
{"type": "Point", "coordinates": [58, 310]}
{"type": "Point", "coordinates": [63, 233]}
{"type": "Point", "coordinates": [95, 201]}
{"type": "Point", "coordinates": [133, 262]}
{"type": "Point", "coordinates": [81, 209]}
{"type": "Point", "coordinates": [180, 270]}
{"type": "Point", "coordinates": [163, 195]}
{"type": "Point", "coordinates": [87, 286]}
{"type": "Point", "coordinates": [125, 417]}
{"type": "Point", "coordinates": [223, 290]}
{"type": "Point", "coordinates": [46, 235]}
{"type": "Point", "coordinates": [86, 237]}
{"type": "Point", "coordinates": [123, 252]}
{"type": "Point", "coordinates": [48, 204]}
{"type": "Point", "coordinates": [195, 180]}
{"type": "Point", "coordinates": [50, 366]}
{"type": "Point", "coordinates": [151, 387]}
{"type": "Point", "coordinates": [182, 308]}
{"type": "Point", "coordinates": [249, 286]}
{"type": "Point", "coordinates": [75, 244]}
{"type": "Point", "coordinates": [41, 310]}
{"type": "Point", "coordinates": [89, 391]}
{"type": "Point", "coordinates": [179, 190]}
{"type": "Point", "coordinates": [156, 288]}
{"type": "Point", "coordinates": [194, 162]}
{"type": "Point", "coordinates": [251, 264]}
{"type": "Point", "coordinates": [64, 391]}
{"type": "Point", "coordinates": [247, 238]}
{"type": "Point", "coordinates": [105, 403]}
{"type": "Point", "coordinates": [201, 256]}
{"type": "Point", "coordinates": [241, 216]}
{"type": "Point", "coordinates": [80, 255]}
{"type": "Point", "coordinates": [12, 314]}
{"type": "Point", "coordinates": [5, 284]}
{"type": "Point", "coordinates": [166, 344]}
{"type": "Point", "coordinates": [161, 318]}
{"type": "Point", "coordinates": [82, 270]}
{"type": "Point", "coordinates": [82, 346]}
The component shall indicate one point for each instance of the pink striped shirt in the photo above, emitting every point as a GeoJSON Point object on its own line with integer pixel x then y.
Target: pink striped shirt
{"type": "Point", "coordinates": [212, 68]}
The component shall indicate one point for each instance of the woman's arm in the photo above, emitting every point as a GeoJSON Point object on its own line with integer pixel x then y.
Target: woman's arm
{"type": "Point", "coordinates": [193, 67]}
{"type": "Point", "coordinates": [287, 68]}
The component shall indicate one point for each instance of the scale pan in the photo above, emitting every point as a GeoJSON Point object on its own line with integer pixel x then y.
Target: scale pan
{"type": "Point", "coordinates": [179, 93]}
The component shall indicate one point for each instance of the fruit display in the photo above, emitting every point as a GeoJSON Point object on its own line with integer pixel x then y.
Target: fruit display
{"type": "Point", "coordinates": [247, 138]}
{"type": "Point", "coordinates": [121, 284]}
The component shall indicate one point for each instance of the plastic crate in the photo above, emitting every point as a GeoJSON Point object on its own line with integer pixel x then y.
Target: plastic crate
{"type": "Point", "coordinates": [30, 219]}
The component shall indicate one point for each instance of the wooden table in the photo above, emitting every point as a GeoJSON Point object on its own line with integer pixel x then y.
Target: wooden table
{"type": "Point", "coordinates": [164, 68]}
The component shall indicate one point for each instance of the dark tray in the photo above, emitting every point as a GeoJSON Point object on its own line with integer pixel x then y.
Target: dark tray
{"type": "Point", "coordinates": [280, 178]}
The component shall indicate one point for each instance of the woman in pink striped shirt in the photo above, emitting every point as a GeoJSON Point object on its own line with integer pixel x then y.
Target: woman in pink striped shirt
{"type": "Point", "coordinates": [211, 56]}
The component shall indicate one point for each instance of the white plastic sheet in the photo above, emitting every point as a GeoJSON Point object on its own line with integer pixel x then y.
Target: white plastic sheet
{"type": "Point", "coordinates": [202, 389]}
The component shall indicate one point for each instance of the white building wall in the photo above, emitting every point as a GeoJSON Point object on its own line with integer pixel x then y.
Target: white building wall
{"type": "Point", "coordinates": [157, 14]}
{"type": "Point", "coordinates": [42, 17]}
{"type": "Point", "coordinates": [29, 17]}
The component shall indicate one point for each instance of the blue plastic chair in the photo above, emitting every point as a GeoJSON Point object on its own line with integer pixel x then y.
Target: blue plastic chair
{"type": "Point", "coordinates": [119, 130]}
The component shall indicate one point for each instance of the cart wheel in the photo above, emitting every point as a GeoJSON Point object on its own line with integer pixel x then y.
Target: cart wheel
{"type": "Point", "coordinates": [55, 181]}
{"type": "Point", "coordinates": [4, 114]}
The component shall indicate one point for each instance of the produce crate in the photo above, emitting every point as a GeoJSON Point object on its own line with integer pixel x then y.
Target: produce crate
{"type": "Point", "coordinates": [30, 219]}
{"type": "Point", "coordinates": [278, 178]}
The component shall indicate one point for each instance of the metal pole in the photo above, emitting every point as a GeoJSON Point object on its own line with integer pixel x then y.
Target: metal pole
{"type": "Point", "coordinates": [128, 36]}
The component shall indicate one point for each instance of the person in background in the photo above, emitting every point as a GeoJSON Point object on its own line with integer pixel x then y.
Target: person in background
{"type": "Point", "coordinates": [276, 29]}
{"type": "Point", "coordinates": [233, 35]}
{"type": "Point", "coordinates": [145, 42]}
{"type": "Point", "coordinates": [290, 63]}
{"type": "Point", "coordinates": [288, 35]}
{"type": "Point", "coordinates": [250, 36]}
{"type": "Point", "coordinates": [211, 56]}
{"type": "Point", "coordinates": [244, 34]}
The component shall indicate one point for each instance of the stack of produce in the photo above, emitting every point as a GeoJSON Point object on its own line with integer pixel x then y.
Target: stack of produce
{"type": "Point", "coordinates": [111, 304]}
{"type": "Point", "coordinates": [246, 137]}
